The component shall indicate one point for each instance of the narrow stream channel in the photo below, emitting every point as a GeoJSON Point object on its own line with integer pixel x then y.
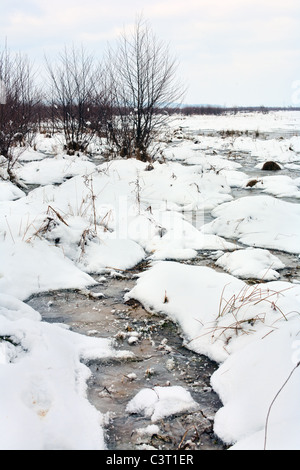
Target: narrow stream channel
{"type": "Point", "coordinates": [160, 360]}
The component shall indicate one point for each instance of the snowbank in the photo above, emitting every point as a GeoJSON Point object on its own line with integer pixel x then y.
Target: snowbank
{"type": "Point", "coordinates": [249, 381]}
{"type": "Point", "coordinates": [9, 191]}
{"type": "Point", "coordinates": [53, 170]}
{"type": "Point", "coordinates": [258, 221]}
{"type": "Point", "coordinates": [43, 403]}
{"type": "Point", "coordinates": [252, 263]}
{"type": "Point", "coordinates": [31, 268]}
{"type": "Point", "coordinates": [112, 217]}
{"type": "Point", "coordinates": [279, 186]}
{"type": "Point", "coordinates": [249, 330]}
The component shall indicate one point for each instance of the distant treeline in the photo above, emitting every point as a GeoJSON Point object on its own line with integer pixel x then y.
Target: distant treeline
{"type": "Point", "coordinates": [219, 110]}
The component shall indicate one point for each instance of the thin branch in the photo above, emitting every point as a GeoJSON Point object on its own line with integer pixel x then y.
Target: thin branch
{"type": "Point", "coordinates": [273, 401]}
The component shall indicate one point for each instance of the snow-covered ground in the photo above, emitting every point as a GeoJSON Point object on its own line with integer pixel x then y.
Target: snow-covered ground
{"type": "Point", "coordinates": [76, 219]}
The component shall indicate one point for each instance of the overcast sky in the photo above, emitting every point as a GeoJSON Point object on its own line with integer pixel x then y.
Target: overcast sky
{"type": "Point", "coordinates": [231, 52]}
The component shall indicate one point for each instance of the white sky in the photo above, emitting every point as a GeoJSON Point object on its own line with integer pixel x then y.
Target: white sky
{"type": "Point", "coordinates": [231, 52]}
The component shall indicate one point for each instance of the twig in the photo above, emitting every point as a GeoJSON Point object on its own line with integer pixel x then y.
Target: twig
{"type": "Point", "coordinates": [57, 215]}
{"type": "Point", "coordinates": [272, 403]}
{"type": "Point", "coordinates": [183, 437]}
{"type": "Point", "coordinates": [9, 229]}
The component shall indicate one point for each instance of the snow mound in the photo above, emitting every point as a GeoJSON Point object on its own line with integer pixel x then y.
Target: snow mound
{"type": "Point", "coordinates": [30, 268]}
{"type": "Point", "coordinates": [43, 405]}
{"type": "Point", "coordinates": [160, 402]}
{"type": "Point", "coordinates": [252, 331]}
{"type": "Point", "coordinates": [247, 384]}
{"type": "Point", "coordinates": [54, 170]}
{"type": "Point", "coordinates": [258, 221]}
{"type": "Point", "coordinates": [9, 192]}
{"type": "Point", "coordinates": [253, 263]}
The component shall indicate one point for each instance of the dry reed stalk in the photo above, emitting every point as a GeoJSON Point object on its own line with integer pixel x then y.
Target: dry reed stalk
{"type": "Point", "coordinates": [273, 401]}
{"type": "Point", "coordinates": [247, 296]}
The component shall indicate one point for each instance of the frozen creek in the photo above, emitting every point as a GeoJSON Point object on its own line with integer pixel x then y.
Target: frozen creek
{"type": "Point", "coordinates": [160, 359]}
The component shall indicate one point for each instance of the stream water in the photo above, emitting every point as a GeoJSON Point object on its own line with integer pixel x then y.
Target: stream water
{"type": "Point", "coordinates": [159, 355]}
{"type": "Point", "coordinates": [159, 359]}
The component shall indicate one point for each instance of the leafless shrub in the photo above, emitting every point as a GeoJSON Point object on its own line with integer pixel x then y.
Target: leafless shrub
{"type": "Point", "coordinates": [18, 107]}
{"type": "Point", "coordinates": [77, 106]}
{"type": "Point", "coordinates": [142, 85]}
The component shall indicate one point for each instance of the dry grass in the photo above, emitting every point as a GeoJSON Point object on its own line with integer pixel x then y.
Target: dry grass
{"type": "Point", "coordinates": [249, 295]}
{"type": "Point", "coordinates": [236, 320]}
{"type": "Point", "coordinates": [53, 217]}
{"type": "Point", "coordinates": [86, 236]}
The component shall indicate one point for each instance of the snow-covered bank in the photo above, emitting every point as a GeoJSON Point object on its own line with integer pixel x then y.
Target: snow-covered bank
{"type": "Point", "coordinates": [259, 388]}
{"type": "Point", "coordinates": [252, 263]}
{"type": "Point", "coordinates": [251, 331]}
{"type": "Point", "coordinates": [43, 383]}
{"type": "Point", "coordinates": [106, 219]}
{"type": "Point", "coordinates": [258, 221]}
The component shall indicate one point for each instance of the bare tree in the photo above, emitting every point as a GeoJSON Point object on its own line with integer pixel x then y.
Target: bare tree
{"type": "Point", "coordinates": [19, 98]}
{"type": "Point", "coordinates": [142, 85]}
{"type": "Point", "coordinates": [76, 98]}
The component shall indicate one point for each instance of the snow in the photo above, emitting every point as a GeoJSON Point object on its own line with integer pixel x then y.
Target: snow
{"type": "Point", "coordinates": [252, 263]}
{"type": "Point", "coordinates": [254, 121]}
{"type": "Point", "coordinates": [258, 221]}
{"type": "Point", "coordinates": [36, 267]}
{"type": "Point", "coordinates": [9, 191]}
{"type": "Point", "coordinates": [208, 304]}
{"type": "Point", "coordinates": [43, 403]}
{"type": "Point", "coordinates": [148, 430]}
{"type": "Point", "coordinates": [280, 186]}
{"type": "Point", "coordinates": [250, 331]}
{"type": "Point", "coordinates": [160, 402]}
{"type": "Point", "coordinates": [246, 370]}
{"type": "Point", "coordinates": [85, 219]}
{"type": "Point", "coordinates": [53, 170]}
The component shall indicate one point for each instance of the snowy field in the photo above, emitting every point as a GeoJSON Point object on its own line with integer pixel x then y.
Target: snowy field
{"type": "Point", "coordinates": [83, 216]}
